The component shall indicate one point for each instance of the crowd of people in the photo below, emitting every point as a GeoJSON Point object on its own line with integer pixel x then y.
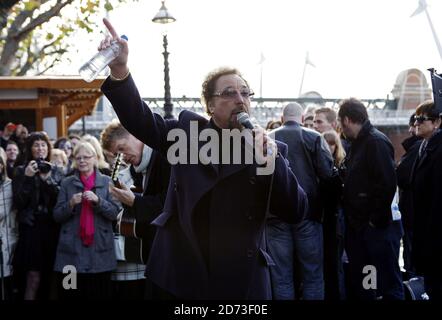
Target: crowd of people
{"type": "Point", "coordinates": [321, 225]}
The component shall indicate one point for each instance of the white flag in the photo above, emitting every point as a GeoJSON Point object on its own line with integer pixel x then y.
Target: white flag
{"type": "Point", "coordinates": [308, 61]}
{"type": "Point", "coordinates": [422, 6]}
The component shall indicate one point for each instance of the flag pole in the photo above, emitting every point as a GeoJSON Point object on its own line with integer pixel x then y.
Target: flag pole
{"type": "Point", "coordinates": [260, 82]}
{"type": "Point", "coordinates": [302, 79]}
{"type": "Point", "coordinates": [436, 39]}
{"type": "Point", "coordinates": [423, 7]}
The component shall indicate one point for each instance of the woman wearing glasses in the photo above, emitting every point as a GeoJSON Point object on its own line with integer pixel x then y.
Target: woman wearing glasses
{"type": "Point", "coordinates": [35, 188]}
{"type": "Point", "coordinates": [427, 202]}
{"type": "Point", "coordinates": [86, 210]}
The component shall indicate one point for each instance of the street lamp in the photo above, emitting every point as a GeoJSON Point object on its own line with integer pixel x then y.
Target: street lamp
{"type": "Point", "coordinates": [163, 16]}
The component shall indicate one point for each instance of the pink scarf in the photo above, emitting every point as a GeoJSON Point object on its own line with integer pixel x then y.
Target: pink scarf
{"type": "Point", "coordinates": [87, 228]}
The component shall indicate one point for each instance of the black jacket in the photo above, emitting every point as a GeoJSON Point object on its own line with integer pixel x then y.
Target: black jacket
{"type": "Point", "coordinates": [370, 179]}
{"type": "Point", "coordinates": [34, 196]}
{"type": "Point", "coordinates": [427, 204]}
{"type": "Point", "coordinates": [148, 203]}
{"type": "Point", "coordinates": [403, 172]}
{"type": "Point", "coordinates": [310, 160]}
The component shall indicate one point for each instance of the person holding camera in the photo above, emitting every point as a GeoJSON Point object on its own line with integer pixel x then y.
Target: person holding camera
{"type": "Point", "coordinates": [35, 188]}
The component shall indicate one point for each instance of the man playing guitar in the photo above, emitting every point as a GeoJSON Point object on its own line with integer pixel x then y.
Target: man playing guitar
{"type": "Point", "coordinates": [150, 173]}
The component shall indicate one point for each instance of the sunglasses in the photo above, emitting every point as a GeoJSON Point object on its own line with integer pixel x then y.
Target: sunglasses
{"type": "Point", "coordinates": [421, 119]}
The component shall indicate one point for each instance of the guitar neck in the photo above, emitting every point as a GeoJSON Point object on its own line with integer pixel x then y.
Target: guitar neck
{"type": "Point", "coordinates": [116, 170]}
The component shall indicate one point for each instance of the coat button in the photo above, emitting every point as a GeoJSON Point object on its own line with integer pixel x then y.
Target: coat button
{"type": "Point", "coordinates": [249, 217]}
{"type": "Point", "coordinates": [252, 180]}
{"type": "Point", "coordinates": [250, 253]}
{"type": "Point", "coordinates": [175, 186]}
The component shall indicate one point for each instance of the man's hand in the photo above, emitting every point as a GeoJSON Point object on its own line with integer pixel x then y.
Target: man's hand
{"type": "Point", "coordinates": [118, 66]}
{"type": "Point", "coordinates": [265, 147]}
{"type": "Point", "coordinates": [124, 195]}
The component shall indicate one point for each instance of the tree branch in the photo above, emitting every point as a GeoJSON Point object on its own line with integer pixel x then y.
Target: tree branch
{"type": "Point", "coordinates": [33, 58]}
{"type": "Point", "coordinates": [14, 29]}
{"type": "Point", "coordinates": [5, 8]}
{"type": "Point", "coordinates": [42, 18]}
{"type": "Point", "coordinates": [49, 67]}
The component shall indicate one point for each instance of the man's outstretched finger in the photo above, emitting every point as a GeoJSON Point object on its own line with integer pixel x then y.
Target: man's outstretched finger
{"type": "Point", "coordinates": [110, 28]}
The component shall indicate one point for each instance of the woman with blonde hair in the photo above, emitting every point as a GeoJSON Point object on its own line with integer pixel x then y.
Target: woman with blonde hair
{"type": "Point", "coordinates": [103, 166]}
{"type": "Point", "coordinates": [85, 210]}
{"type": "Point", "coordinates": [59, 159]}
{"type": "Point", "coordinates": [335, 145]}
{"type": "Point", "coordinates": [333, 223]}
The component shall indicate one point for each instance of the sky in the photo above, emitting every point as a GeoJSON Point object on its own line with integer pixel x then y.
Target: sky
{"type": "Point", "coordinates": [358, 47]}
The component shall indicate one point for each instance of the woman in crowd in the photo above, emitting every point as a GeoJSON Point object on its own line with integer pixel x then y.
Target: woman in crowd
{"type": "Point", "coordinates": [273, 124]}
{"type": "Point", "coordinates": [103, 166]}
{"type": "Point", "coordinates": [426, 179]}
{"type": "Point", "coordinates": [335, 145]}
{"type": "Point", "coordinates": [8, 231]}
{"type": "Point", "coordinates": [333, 224]}
{"type": "Point", "coordinates": [35, 190]}
{"type": "Point", "coordinates": [64, 144]}
{"type": "Point", "coordinates": [59, 159]}
{"type": "Point", "coordinates": [86, 210]}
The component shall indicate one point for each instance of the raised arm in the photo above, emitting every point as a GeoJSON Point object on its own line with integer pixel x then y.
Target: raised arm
{"type": "Point", "coordinates": [131, 110]}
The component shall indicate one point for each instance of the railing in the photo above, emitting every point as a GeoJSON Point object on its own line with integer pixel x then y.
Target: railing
{"type": "Point", "coordinates": [382, 112]}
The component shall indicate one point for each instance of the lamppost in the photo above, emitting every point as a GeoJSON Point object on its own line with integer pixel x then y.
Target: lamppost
{"type": "Point", "coordinates": [163, 16]}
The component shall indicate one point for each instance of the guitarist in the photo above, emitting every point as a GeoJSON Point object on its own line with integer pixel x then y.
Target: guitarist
{"type": "Point", "coordinates": [150, 173]}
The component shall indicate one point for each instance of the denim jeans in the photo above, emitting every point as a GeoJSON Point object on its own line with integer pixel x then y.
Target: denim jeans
{"type": "Point", "coordinates": [297, 247]}
{"type": "Point", "coordinates": [378, 247]}
{"type": "Point", "coordinates": [309, 253]}
{"type": "Point", "coordinates": [280, 246]}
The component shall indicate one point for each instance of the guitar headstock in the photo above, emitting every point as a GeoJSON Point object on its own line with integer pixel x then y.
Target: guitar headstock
{"type": "Point", "coordinates": [116, 170]}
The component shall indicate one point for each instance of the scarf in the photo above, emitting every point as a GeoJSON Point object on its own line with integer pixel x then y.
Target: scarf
{"type": "Point", "coordinates": [145, 159]}
{"type": "Point", "coordinates": [87, 228]}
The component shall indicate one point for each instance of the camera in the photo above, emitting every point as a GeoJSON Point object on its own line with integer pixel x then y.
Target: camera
{"type": "Point", "coordinates": [43, 166]}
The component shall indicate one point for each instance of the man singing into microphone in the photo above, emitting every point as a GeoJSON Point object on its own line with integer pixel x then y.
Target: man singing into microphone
{"type": "Point", "coordinates": [210, 241]}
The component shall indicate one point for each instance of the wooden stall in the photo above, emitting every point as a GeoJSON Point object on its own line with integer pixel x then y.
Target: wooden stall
{"type": "Point", "coordinates": [64, 99]}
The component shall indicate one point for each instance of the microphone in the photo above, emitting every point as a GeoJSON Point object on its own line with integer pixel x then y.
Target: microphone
{"type": "Point", "coordinates": [244, 119]}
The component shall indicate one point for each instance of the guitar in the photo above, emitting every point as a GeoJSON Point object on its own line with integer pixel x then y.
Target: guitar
{"type": "Point", "coordinates": [126, 222]}
{"type": "Point", "coordinates": [116, 171]}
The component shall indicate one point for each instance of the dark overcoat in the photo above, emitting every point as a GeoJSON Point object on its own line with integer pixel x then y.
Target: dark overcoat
{"type": "Point", "coordinates": [237, 265]}
{"type": "Point", "coordinates": [427, 204]}
{"type": "Point", "coordinates": [370, 179]}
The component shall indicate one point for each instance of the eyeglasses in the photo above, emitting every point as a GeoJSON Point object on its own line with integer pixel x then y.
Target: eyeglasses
{"type": "Point", "coordinates": [78, 159]}
{"type": "Point", "coordinates": [421, 119]}
{"type": "Point", "coordinates": [231, 93]}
